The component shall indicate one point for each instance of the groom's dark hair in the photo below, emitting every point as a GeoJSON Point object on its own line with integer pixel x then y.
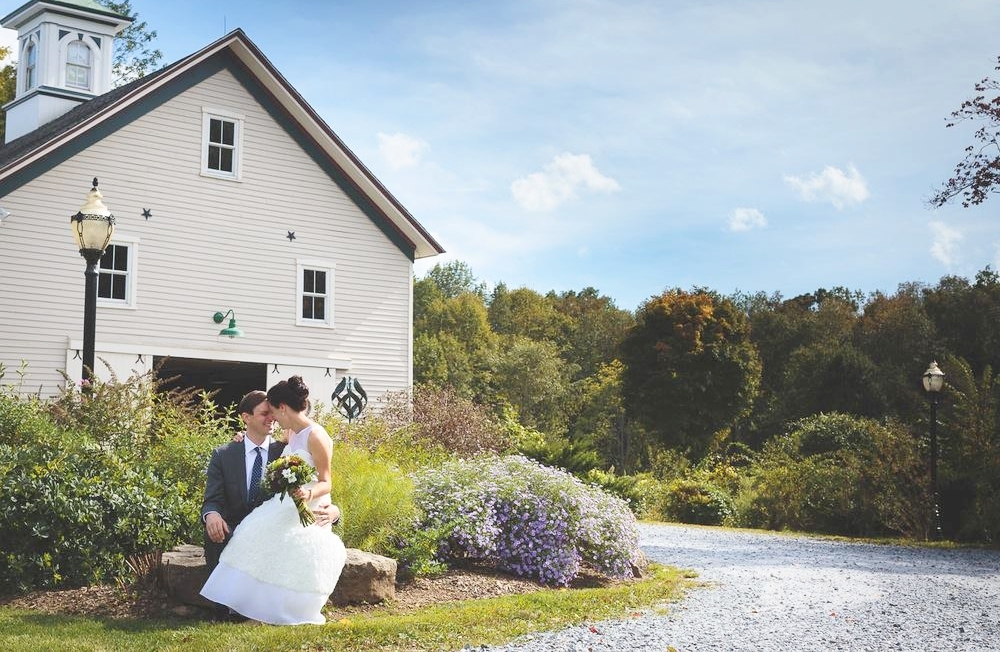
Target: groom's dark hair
{"type": "Point", "coordinates": [250, 402]}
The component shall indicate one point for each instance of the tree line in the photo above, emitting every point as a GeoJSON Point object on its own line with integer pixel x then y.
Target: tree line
{"type": "Point", "coordinates": [695, 375]}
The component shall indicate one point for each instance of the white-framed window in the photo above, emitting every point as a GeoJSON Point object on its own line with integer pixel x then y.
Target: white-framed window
{"type": "Point", "coordinates": [30, 65]}
{"type": "Point", "coordinates": [315, 293]}
{"type": "Point", "coordinates": [222, 139]}
{"type": "Point", "coordinates": [78, 65]}
{"type": "Point", "coordinates": [116, 281]}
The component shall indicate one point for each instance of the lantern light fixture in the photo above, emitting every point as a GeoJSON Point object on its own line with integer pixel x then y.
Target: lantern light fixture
{"type": "Point", "coordinates": [229, 331]}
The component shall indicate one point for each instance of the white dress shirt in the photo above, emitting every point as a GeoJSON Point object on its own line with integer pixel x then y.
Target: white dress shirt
{"type": "Point", "coordinates": [251, 456]}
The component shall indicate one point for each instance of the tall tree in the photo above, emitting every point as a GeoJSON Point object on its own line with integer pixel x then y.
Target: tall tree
{"type": "Point", "coordinates": [530, 376]}
{"type": "Point", "coordinates": [8, 87]}
{"type": "Point", "coordinates": [452, 341]}
{"type": "Point", "coordinates": [453, 278]}
{"type": "Point", "coordinates": [690, 369]}
{"type": "Point", "coordinates": [978, 174]}
{"type": "Point", "coordinates": [966, 317]}
{"type": "Point", "coordinates": [527, 313]}
{"type": "Point", "coordinates": [595, 330]}
{"type": "Point", "coordinates": [134, 54]}
{"type": "Point", "coordinates": [898, 336]}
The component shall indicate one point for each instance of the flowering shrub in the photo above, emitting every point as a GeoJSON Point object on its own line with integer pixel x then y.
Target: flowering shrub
{"type": "Point", "coordinates": [531, 520]}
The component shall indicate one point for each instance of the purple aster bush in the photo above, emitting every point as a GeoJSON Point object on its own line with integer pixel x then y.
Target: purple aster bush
{"type": "Point", "coordinates": [526, 518]}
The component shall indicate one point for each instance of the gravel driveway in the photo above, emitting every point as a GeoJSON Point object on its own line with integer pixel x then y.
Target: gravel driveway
{"type": "Point", "coordinates": [775, 592]}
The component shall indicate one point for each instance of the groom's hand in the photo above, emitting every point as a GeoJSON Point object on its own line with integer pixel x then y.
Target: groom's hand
{"type": "Point", "coordinates": [216, 527]}
{"type": "Point", "coordinates": [327, 514]}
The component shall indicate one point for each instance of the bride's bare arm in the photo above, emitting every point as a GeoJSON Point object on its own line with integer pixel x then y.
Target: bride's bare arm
{"type": "Point", "coordinates": [321, 448]}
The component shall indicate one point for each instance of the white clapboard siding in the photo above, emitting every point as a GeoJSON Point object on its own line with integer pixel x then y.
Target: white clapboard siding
{"type": "Point", "coordinates": [210, 245]}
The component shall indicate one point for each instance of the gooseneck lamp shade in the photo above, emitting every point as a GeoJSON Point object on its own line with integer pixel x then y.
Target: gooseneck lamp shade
{"type": "Point", "coordinates": [230, 331]}
{"type": "Point", "coordinates": [933, 378]}
{"type": "Point", "coordinates": [93, 225]}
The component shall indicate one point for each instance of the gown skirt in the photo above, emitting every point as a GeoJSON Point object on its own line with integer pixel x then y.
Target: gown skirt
{"type": "Point", "coordinates": [274, 569]}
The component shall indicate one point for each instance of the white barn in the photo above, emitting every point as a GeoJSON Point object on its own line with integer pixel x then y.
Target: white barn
{"type": "Point", "coordinates": [229, 192]}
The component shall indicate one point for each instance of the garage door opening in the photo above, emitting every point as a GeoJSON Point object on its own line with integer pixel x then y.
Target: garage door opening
{"type": "Point", "coordinates": [230, 381]}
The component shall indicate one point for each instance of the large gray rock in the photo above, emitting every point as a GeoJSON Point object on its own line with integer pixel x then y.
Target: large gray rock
{"type": "Point", "coordinates": [366, 578]}
{"type": "Point", "coordinates": [183, 573]}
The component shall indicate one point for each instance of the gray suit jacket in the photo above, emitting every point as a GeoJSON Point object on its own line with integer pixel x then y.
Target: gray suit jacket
{"type": "Point", "coordinates": [226, 490]}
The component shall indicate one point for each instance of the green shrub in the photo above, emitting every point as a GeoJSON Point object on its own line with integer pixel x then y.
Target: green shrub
{"type": "Point", "coordinates": [397, 444]}
{"type": "Point", "coordinates": [838, 474]}
{"type": "Point", "coordinates": [376, 499]}
{"type": "Point", "coordinates": [72, 516]}
{"type": "Point", "coordinates": [697, 501]}
{"type": "Point", "coordinates": [23, 419]}
{"type": "Point", "coordinates": [640, 491]}
{"type": "Point", "coordinates": [115, 415]}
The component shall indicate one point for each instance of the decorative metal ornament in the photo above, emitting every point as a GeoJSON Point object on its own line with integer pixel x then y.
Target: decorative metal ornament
{"type": "Point", "coordinates": [147, 213]}
{"type": "Point", "coordinates": [290, 236]}
{"type": "Point", "coordinates": [350, 398]}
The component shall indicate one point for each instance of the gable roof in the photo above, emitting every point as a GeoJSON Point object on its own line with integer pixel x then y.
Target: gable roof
{"type": "Point", "coordinates": [42, 149]}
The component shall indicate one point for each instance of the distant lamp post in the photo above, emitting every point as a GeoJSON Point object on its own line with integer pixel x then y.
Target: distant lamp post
{"type": "Point", "coordinates": [933, 382]}
{"type": "Point", "coordinates": [93, 226]}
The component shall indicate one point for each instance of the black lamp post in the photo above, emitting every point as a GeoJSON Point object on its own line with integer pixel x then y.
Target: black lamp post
{"type": "Point", "coordinates": [93, 226]}
{"type": "Point", "coordinates": [933, 382]}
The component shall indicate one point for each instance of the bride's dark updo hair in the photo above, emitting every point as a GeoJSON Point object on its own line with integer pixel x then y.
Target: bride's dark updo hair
{"type": "Point", "coordinates": [292, 392]}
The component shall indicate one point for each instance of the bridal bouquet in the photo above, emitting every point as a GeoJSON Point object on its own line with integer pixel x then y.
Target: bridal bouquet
{"type": "Point", "coordinates": [286, 474]}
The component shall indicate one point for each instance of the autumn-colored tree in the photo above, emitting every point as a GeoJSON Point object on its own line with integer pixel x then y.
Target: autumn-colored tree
{"type": "Point", "coordinates": [690, 369]}
{"type": "Point", "coordinates": [978, 174]}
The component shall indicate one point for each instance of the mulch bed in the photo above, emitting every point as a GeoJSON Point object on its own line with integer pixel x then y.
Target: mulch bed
{"type": "Point", "coordinates": [146, 601]}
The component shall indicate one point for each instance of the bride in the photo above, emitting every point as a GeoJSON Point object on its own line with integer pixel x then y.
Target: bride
{"type": "Point", "coordinates": [275, 570]}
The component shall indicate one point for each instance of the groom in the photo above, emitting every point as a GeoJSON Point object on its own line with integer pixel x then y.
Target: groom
{"type": "Point", "coordinates": [230, 493]}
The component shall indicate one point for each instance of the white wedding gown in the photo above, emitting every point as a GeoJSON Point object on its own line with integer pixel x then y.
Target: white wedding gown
{"type": "Point", "coordinates": [275, 570]}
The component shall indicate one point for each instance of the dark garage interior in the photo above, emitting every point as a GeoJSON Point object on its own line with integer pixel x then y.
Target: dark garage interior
{"type": "Point", "coordinates": [227, 379]}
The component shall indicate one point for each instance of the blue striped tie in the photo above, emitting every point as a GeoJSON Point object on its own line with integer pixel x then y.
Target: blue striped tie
{"type": "Point", "coordinates": [258, 467]}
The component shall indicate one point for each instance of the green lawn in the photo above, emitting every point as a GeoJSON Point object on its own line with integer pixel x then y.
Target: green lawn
{"type": "Point", "coordinates": [443, 627]}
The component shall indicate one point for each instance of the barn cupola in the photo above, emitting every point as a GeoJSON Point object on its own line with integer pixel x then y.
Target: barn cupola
{"type": "Point", "coordinates": [64, 56]}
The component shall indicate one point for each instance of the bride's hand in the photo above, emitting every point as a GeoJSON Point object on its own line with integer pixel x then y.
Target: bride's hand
{"type": "Point", "coordinates": [238, 437]}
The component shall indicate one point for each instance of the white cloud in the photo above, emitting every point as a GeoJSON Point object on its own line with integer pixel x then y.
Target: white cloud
{"type": "Point", "coordinates": [744, 219]}
{"type": "Point", "coordinates": [400, 150]}
{"type": "Point", "coordinates": [559, 182]}
{"type": "Point", "coordinates": [945, 246]}
{"type": "Point", "coordinates": [832, 185]}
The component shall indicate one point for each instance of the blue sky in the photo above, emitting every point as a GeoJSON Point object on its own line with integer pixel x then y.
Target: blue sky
{"type": "Point", "coordinates": [634, 146]}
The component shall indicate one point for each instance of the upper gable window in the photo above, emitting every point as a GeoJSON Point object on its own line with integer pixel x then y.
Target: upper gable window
{"type": "Point", "coordinates": [78, 65]}
{"type": "Point", "coordinates": [315, 293]}
{"type": "Point", "coordinates": [221, 149]}
{"type": "Point", "coordinates": [116, 277]}
{"type": "Point", "coordinates": [30, 66]}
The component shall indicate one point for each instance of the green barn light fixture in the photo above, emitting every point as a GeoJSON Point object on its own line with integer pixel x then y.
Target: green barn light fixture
{"type": "Point", "coordinates": [230, 331]}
